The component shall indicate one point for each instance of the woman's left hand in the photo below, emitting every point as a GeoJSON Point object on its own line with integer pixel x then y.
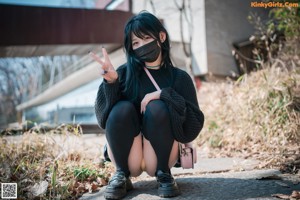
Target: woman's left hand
{"type": "Point", "coordinates": [149, 97]}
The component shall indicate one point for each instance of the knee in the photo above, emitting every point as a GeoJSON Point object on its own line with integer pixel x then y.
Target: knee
{"type": "Point", "coordinates": [157, 110]}
{"type": "Point", "coordinates": [121, 112]}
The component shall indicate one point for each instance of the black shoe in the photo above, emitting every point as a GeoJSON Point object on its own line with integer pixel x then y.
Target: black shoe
{"type": "Point", "coordinates": [167, 187]}
{"type": "Point", "coordinates": [118, 186]}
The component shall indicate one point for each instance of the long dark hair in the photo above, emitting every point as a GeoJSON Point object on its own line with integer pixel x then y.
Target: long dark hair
{"type": "Point", "coordinates": [140, 25]}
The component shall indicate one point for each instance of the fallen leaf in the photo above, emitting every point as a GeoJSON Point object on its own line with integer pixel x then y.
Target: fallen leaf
{"type": "Point", "coordinates": [101, 181]}
{"type": "Point", "coordinates": [88, 187]}
{"type": "Point", "coordinates": [281, 196]}
{"type": "Point", "coordinates": [39, 188]}
{"type": "Point", "coordinates": [94, 186]}
{"type": "Point", "coordinates": [80, 188]}
{"type": "Point", "coordinates": [296, 194]}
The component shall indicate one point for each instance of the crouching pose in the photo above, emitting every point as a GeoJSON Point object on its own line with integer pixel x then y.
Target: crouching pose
{"type": "Point", "coordinates": [143, 125]}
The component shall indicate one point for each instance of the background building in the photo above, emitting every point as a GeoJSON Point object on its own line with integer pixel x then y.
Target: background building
{"type": "Point", "coordinates": [202, 35]}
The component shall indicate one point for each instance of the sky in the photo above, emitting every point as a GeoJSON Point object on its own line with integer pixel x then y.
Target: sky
{"type": "Point", "coordinates": [33, 2]}
{"type": "Point", "coordinates": [52, 3]}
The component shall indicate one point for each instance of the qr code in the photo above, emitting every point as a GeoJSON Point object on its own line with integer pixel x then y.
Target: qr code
{"type": "Point", "coordinates": [9, 190]}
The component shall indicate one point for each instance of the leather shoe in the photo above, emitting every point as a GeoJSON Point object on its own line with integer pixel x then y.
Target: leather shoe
{"type": "Point", "coordinates": [118, 186]}
{"type": "Point", "coordinates": [167, 187]}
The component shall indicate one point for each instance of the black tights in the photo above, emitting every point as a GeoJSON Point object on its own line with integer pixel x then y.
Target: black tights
{"type": "Point", "coordinates": [123, 124]}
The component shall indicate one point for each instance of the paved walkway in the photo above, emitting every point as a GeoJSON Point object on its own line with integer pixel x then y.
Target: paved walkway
{"type": "Point", "coordinates": [215, 179]}
{"type": "Point", "coordinates": [211, 179]}
{"type": "Point", "coordinates": [221, 186]}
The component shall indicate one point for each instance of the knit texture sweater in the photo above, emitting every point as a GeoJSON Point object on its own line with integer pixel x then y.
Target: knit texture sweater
{"type": "Point", "coordinates": [177, 92]}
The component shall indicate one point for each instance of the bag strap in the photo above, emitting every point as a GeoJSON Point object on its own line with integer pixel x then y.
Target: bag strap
{"type": "Point", "coordinates": [183, 145]}
{"type": "Point", "coordinates": [151, 78]}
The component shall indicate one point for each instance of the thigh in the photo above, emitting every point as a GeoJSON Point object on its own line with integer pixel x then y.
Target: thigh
{"type": "Point", "coordinates": [174, 154]}
{"type": "Point", "coordinates": [135, 157]}
{"type": "Point", "coordinates": [150, 158]}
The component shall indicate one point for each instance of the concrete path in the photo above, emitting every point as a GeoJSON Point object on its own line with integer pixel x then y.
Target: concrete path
{"type": "Point", "coordinates": [211, 179]}
{"type": "Point", "coordinates": [201, 183]}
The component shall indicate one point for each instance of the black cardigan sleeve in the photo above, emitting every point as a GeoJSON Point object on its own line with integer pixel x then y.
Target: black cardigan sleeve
{"type": "Point", "coordinates": [107, 96]}
{"type": "Point", "coordinates": [186, 117]}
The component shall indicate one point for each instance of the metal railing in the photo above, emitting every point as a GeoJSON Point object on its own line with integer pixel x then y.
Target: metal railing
{"type": "Point", "coordinates": [68, 70]}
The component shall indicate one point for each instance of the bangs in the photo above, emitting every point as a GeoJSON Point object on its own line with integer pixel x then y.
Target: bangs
{"type": "Point", "coordinates": [141, 29]}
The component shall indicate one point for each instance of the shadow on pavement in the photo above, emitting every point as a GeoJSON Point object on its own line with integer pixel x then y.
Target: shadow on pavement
{"type": "Point", "coordinates": [210, 189]}
{"type": "Point", "coordinates": [229, 188]}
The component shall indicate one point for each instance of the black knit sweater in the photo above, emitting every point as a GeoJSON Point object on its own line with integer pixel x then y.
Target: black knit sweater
{"type": "Point", "coordinates": [177, 91]}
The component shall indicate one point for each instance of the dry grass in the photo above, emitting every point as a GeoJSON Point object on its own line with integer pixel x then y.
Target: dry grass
{"type": "Point", "coordinates": [256, 116]}
{"type": "Point", "coordinates": [50, 166]}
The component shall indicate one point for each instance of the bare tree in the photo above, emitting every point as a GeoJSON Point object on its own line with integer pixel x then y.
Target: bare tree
{"type": "Point", "coordinates": [23, 78]}
{"type": "Point", "coordinates": [186, 16]}
{"type": "Point", "coordinates": [186, 23]}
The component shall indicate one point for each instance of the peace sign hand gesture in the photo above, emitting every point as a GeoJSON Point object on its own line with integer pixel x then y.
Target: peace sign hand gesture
{"type": "Point", "coordinates": [107, 70]}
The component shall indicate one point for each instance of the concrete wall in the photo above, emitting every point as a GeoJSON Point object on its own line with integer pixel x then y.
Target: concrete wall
{"type": "Point", "coordinates": [226, 23]}
{"type": "Point", "coordinates": [217, 24]}
{"type": "Point", "coordinates": [85, 115]}
{"type": "Point", "coordinates": [168, 11]}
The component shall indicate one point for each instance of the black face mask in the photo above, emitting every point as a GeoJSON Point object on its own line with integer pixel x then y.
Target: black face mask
{"type": "Point", "coordinates": [148, 52]}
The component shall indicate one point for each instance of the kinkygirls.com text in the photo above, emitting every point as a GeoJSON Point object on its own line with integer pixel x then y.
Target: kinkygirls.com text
{"type": "Point", "coordinates": [258, 4]}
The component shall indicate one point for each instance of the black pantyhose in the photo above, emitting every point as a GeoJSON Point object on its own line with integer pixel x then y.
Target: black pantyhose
{"type": "Point", "coordinates": [123, 125]}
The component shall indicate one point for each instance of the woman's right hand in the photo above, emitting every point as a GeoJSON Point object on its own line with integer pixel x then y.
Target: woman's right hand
{"type": "Point", "coordinates": [107, 70]}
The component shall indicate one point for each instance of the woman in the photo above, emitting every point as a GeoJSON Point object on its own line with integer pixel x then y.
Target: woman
{"type": "Point", "coordinates": [144, 125]}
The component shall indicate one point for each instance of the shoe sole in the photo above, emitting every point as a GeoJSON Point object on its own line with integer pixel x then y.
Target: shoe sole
{"type": "Point", "coordinates": [114, 193]}
{"type": "Point", "coordinates": [168, 193]}
{"type": "Point", "coordinates": [117, 193]}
